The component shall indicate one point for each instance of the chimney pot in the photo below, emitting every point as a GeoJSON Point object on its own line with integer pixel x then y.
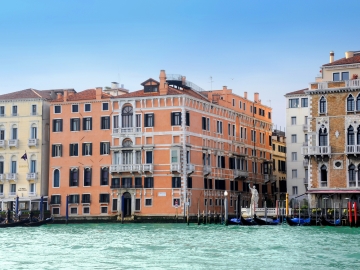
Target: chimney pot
{"type": "Point", "coordinates": [332, 54]}
{"type": "Point", "coordinates": [245, 95]}
{"type": "Point", "coordinates": [349, 54]}
{"type": "Point", "coordinates": [224, 87]}
{"type": "Point", "coordinates": [98, 92]}
{"type": "Point", "coordinates": [114, 85]}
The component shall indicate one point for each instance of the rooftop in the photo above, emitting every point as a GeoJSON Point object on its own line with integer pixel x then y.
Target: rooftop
{"type": "Point", "coordinates": [33, 93]}
{"type": "Point", "coordinates": [346, 60]}
{"type": "Point", "coordinates": [89, 94]}
{"type": "Point", "coordinates": [297, 92]}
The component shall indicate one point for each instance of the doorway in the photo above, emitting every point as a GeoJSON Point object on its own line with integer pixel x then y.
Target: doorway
{"type": "Point", "coordinates": [126, 204]}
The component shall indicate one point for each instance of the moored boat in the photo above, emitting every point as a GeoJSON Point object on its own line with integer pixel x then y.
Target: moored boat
{"type": "Point", "coordinates": [268, 221]}
{"type": "Point", "coordinates": [14, 223]}
{"type": "Point", "coordinates": [247, 222]}
{"type": "Point", "coordinates": [326, 222]}
{"type": "Point", "coordinates": [39, 222]}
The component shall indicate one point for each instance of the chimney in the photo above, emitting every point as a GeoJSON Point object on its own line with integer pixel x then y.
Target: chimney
{"type": "Point", "coordinates": [114, 85]}
{"type": "Point", "coordinates": [224, 87]}
{"type": "Point", "coordinates": [245, 95]}
{"type": "Point", "coordinates": [122, 86]}
{"type": "Point", "coordinates": [332, 56]}
{"type": "Point", "coordinates": [58, 95]}
{"type": "Point", "coordinates": [65, 95]}
{"type": "Point", "coordinates": [163, 89]}
{"type": "Point", "coordinates": [98, 91]}
{"type": "Point", "coordinates": [256, 97]}
{"type": "Point", "coordinates": [349, 54]}
{"type": "Point", "coordinates": [183, 79]}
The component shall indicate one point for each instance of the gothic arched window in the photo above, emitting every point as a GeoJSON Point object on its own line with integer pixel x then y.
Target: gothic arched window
{"type": "Point", "coordinates": [352, 173]}
{"type": "Point", "coordinates": [350, 103]}
{"type": "Point", "coordinates": [358, 103]}
{"type": "Point", "coordinates": [322, 104]}
{"type": "Point", "coordinates": [350, 136]}
{"type": "Point", "coordinates": [323, 175]}
{"type": "Point", "coordinates": [323, 137]}
{"type": "Point", "coordinates": [127, 117]}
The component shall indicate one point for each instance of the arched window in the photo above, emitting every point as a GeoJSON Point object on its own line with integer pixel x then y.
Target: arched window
{"type": "Point", "coordinates": [87, 177]}
{"type": "Point", "coordinates": [56, 178]}
{"type": "Point", "coordinates": [350, 102]}
{"type": "Point", "coordinates": [127, 143]}
{"type": "Point", "coordinates": [2, 133]}
{"type": "Point", "coordinates": [104, 174]}
{"type": "Point", "coordinates": [14, 134]}
{"type": "Point", "coordinates": [33, 131]}
{"type": "Point", "coordinates": [358, 136]}
{"type": "Point", "coordinates": [358, 103]}
{"type": "Point", "coordinates": [322, 105]}
{"type": "Point", "coordinates": [352, 175]}
{"type": "Point", "coordinates": [323, 175]}
{"type": "Point", "coordinates": [323, 137]}
{"type": "Point", "coordinates": [350, 136]}
{"type": "Point", "coordinates": [127, 117]}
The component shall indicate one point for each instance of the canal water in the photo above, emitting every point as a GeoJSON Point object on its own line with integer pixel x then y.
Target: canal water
{"type": "Point", "coordinates": [178, 246]}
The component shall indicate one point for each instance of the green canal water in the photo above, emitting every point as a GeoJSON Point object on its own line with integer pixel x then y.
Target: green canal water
{"type": "Point", "coordinates": [178, 246]}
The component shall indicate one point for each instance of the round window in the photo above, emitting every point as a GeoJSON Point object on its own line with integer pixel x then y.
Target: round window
{"type": "Point", "coordinates": [338, 164]}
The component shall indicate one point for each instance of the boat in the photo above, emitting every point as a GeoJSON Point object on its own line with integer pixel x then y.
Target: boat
{"type": "Point", "coordinates": [298, 222]}
{"type": "Point", "coordinates": [234, 221]}
{"type": "Point", "coordinates": [247, 222]}
{"type": "Point", "coordinates": [268, 221]}
{"type": "Point", "coordinates": [326, 222]}
{"type": "Point", "coordinates": [39, 222]}
{"type": "Point", "coordinates": [13, 223]}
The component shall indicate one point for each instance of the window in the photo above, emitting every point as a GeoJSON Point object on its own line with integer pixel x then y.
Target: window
{"type": "Point", "coordinates": [2, 111]}
{"type": "Point", "coordinates": [350, 136]}
{"type": "Point", "coordinates": [295, 190]}
{"type": "Point", "coordinates": [105, 122]}
{"type": "Point", "coordinates": [269, 115]}
{"type": "Point", "coordinates": [104, 198]}
{"type": "Point", "coordinates": [293, 138]}
{"type": "Point", "coordinates": [345, 76]}
{"type": "Point", "coordinates": [148, 182]}
{"type": "Point", "coordinates": [104, 176]}
{"type": "Point", "coordinates": [104, 148]}
{"type": "Point", "coordinates": [74, 177]}
{"type": "Point", "coordinates": [13, 189]}
{"type": "Point", "coordinates": [75, 124]}
{"type": "Point", "coordinates": [229, 129]}
{"type": "Point", "coordinates": [87, 177]}
{"type": "Point", "coordinates": [114, 205]}
{"type": "Point", "coordinates": [304, 102]}
{"type": "Point", "coordinates": [126, 182]}
{"type": "Point", "coordinates": [86, 210]}
{"type": "Point", "coordinates": [358, 103]}
{"type": "Point", "coordinates": [233, 130]}
{"type": "Point", "coordinates": [13, 166]}
{"type": "Point", "coordinates": [293, 103]}
{"type": "Point", "coordinates": [187, 116]}
{"type": "Point", "coordinates": [73, 211]}
{"type": "Point", "coordinates": [55, 199]}
{"type": "Point", "coordinates": [358, 136]}
{"type": "Point", "coordinates": [74, 150]}
{"type": "Point", "coordinates": [87, 149]}
{"type": "Point", "coordinates": [350, 103]}
{"type": "Point", "coordinates": [138, 182]}
{"type": "Point", "coordinates": [14, 133]}
{"type": "Point", "coordinates": [149, 157]}
{"type": "Point", "coordinates": [14, 110]}
{"type": "Point", "coordinates": [149, 120]}
{"type": "Point", "coordinates": [352, 176]}
{"type": "Point", "coordinates": [294, 156]}
{"type": "Point", "coordinates": [207, 183]}
{"type": "Point", "coordinates": [323, 175]}
{"type": "Point", "coordinates": [56, 150]}
{"type": "Point", "coordinates": [137, 204]}
{"type": "Point", "coordinates": [176, 118]}
{"type": "Point", "coordinates": [219, 127]}
{"type": "Point", "coordinates": [174, 156]}
{"type": "Point", "coordinates": [85, 198]}
{"type": "Point", "coordinates": [33, 166]}
{"type": "Point", "coordinates": [176, 182]}
{"type": "Point", "coordinates": [127, 117]}
{"type": "Point", "coordinates": [293, 120]}
{"type": "Point", "coordinates": [176, 202]}
{"type": "Point", "coordinates": [57, 125]}
{"type": "Point", "coordinates": [75, 108]}
{"type": "Point", "coordinates": [294, 174]}
{"type": "Point", "coordinates": [56, 211]}
{"type": "Point", "coordinates": [189, 182]}
{"type": "Point", "coordinates": [87, 107]}
{"type": "Point", "coordinates": [33, 132]}
{"type": "Point", "coordinates": [57, 109]}
{"type": "Point", "coordinates": [138, 122]}
{"type": "Point", "coordinates": [323, 137]}
{"type": "Point", "coordinates": [240, 104]}
{"type": "Point", "coordinates": [253, 135]}
{"type": "Point", "coordinates": [103, 209]}
{"type": "Point", "coordinates": [56, 182]}
{"type": "Point", "coordinates": [205, 123]}
{"type": "Point", "coordinates": [221, 162]}
{"type": "Point", "coordinates": [105, 106]}
{"type": "Point", "coordinates": [220, 184]}
{"type": "Point", "coordinates": [116, 121]}
{"type": "Point", "coordinates": [244, 106]}
{"type": "Point", "coordinates": [150, 88]}
{"type": "Point", "coordinates": [87, 123]}
{"type": "Point", "coordinates": [336, 76]}
{"type": "Point", "coordinates": [233, 102]}
{"type": "Point", "coordinates": [322, 107]}
{"type": "Point", "coordinates": [33, 109]}
{"type": "Point", "coordinates": [148, 202]}
{"type": "Point", "coordinates": [74, 198]}
{"type": "Point", "coordinates": [1, 165]}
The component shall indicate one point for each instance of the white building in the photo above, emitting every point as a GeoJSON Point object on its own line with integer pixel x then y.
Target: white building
{"type": "Point", "coordinates": [297, 111]}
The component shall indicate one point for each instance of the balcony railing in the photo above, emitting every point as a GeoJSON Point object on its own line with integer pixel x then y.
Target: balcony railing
{"type": "Point", "coordinates": [12, 193]}
{"type": "Point", "coordinates": [190, 168]}
{"type": "Point", "coordinates": [126, 130]}
{"type": "Point", "coordinates": [148, 167]}
{"type": "Point", "coordinates": [32, 142]}
{"type": "Point", "coordinates": [125, 168]}
{"type": "Point", "coordinates": [323, 184]}
{"type": "Point", "coordinates": [353, 149]}
{"type": "Point", "coordinates": [2, 143]}
{"type": "Point", "coordinates": [305, 162]}
{"type": "Point", "coordinates": [306, 181]}
{"type": "Point", "coordinates": [31, 194]}
{"type": "Point", "coordinates": [176, 167]}
{"type": "Point", "coordinates": [32, 176]}
{"type": "Point", "coordinates": [11, 176]}
{"type": "Point", "coordinates": [2, 177]}
{"type": "Point", "coordinates": [241, 174]}
{"type": "Point", "coordinates": [305, 143]}
{"type": "Point", "coordinates": [13, 143]}
{"type": "Point", "coordinates": [335, 84]}
{"type": "Point", "coordinates": [305, 127]}
{"type": "Point", "coordinates": [316, 150]}
{"type": "Point", "coordinates": [206, 169]}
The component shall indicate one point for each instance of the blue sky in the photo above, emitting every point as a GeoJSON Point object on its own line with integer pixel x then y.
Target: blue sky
{"type": "Point", "coordinates": [270, 47]}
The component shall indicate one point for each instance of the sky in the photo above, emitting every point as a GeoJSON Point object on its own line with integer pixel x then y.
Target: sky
{"type": "Point", "coordinates": [270, 47]}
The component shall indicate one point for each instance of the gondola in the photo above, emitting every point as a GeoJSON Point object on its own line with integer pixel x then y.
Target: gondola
{"type": "Point", "coordinates": [261, 222]}
{"type": "Point", "coordinates": [39, 222]}
{"type": "Point", "coordinates": [14, 224]}
{"type": "Point", "coordinates": [297, 222]}
{"type": "Point", "coordinates": [234, 221]}
{"type": "Point", "coordinates": [325, 222]}
{"type": "Point", "coordinates": [247, 222]}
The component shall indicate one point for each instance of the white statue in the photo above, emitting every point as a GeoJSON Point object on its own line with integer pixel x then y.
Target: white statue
{"type": "Point", "coordinates": [254, 199]}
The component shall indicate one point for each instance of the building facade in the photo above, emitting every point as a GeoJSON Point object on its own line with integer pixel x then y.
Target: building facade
{"type": "Point", "coordinates": [334, 133]}
{"type": "Point", "coordinates": [24, 147]}
{"type": "Point", "coordinates": [279, 188]}
{"type": "Point", "coordinates": [297, 125]}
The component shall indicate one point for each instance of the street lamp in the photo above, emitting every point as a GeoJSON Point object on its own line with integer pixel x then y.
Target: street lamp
{"type": "Point", "coordinates": [226, 208]}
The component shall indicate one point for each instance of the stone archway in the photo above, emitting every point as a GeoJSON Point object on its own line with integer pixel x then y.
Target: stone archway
{"type": "Point", "coordinates": [126, 207]}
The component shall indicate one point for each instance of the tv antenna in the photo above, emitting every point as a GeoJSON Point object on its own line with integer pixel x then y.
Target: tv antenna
{"type": "Point", "coordinates": [211, 81]}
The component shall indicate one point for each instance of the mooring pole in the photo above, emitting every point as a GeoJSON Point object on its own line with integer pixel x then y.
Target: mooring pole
{"type": "Point", "coordinates": [198, 214]}
{"type": "Point", "coordinates": [67, 210]}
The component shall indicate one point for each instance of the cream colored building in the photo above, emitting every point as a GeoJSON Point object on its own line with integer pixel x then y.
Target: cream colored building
{"type": "Point", "coordinates": [24, 128]}
{"type": "Point", "coordinates": [279, 164]}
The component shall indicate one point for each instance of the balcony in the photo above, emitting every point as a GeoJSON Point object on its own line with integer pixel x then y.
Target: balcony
{"type": "Point", "coordinates": [305, 143]}
{"type": "Point", "coordinates": [305, 162]}
{"type": "Point", "coordinates": [31, 176]}
{"type": "Point", "coordinates": [12, 193]}
{"type": "Point", "coordinates": [148, 167]}
{"type": "Point", "coordinates": [2, 144]}
{"type": "Point", "coordinates": [176, 167]}
{"type": "Point", "coordinates": [32, 194]}
{"type": "Point", "coordinates": [316, 150]}
{"type": "Point", "coordinates": [2, 177]}
{"type": "Point", "coordinates": [13, 143]}
{"type": "Point", "coordinates": [119, 168]}
{"type": "Point", "coordinates": [352, 150]}
{"type": "Point", "coordinates": [206, 170]}
{"type": "Point", "coordinates": [126, 130]}
{"type": "Point", "coordinates": [241, 174]}
{"type": "Point", "coordinates": [306, 181]}
{"type": "Point", "coordinates": [190, 168]}
{"type": "Point", "coordinates": [11, 176]}
{"type": "Point", "coordinates": [305, 127]}
{"type": "Point", "coordinates": [32, 142]}
{"type": "Point", "coordinates": [337, 84]}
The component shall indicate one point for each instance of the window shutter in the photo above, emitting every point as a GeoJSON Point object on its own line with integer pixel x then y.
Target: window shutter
{"type": "Point", "coordinates": [90, 149]}
{"type": "Point", "coordinates": [53, 123]}
{"type": "Point", "coordinates": [91, 123]}
{"type": "Point", "coordinates": [70, 178]}
{"type": "Point", "coordinates": [76, 150]}
{"type": "Point", "coordinates": [71, 124]}
{"type": "Point", "coordinates": [188, 118]}
{"type": "Point", "coordinates": [71, 149]}
{"type": "Point", "coordinates": [90, 175]}
{"type": "Point", "coordinates": [60, 150]}
{"type": "Point", "coordinates": [84, 121]}
{"type": "Point", "coordinates": [53, 150]}
{"type": "Point", "coordinates": [172, 118]}
{"type": "Point", "coordinates": [83, 149]}
{"type": "Point", "coordinates": [145, 120]}
{"type": "Point", "coordinates": [153, 116]}
{"type": "Point", "coordinates": [102, 123]}
{"type": "Point", "coordinates": [101, 149]}
{"type": "Point", "coordinates": [61, 125]}
{"type": "Point", "coordinates": [222, 162]}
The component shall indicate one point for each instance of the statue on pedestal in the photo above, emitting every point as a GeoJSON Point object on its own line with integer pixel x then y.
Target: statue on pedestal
{"type": "Point", "coordinates": [254, 199]}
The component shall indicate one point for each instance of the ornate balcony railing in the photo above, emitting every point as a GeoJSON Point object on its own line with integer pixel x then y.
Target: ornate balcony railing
{"type": "Point", "coordinates": [125, 168]}
{"type": "Point", "coordinates": [11, 176]}
{"type": "Point", "coordinates": [305, 162]}
{"type": "Point", "coordinates": [335, 84]}
{"type": "Point", "coordinates": [306, 180]}
{"type": "Point", "coordinates": [241, 174]}
{"type": "Point", "coordinates": [31, 194]}
{"type": "Point", "coordinates": [13, 143]}
{"type": "Point", "coordinates": [190, 168]}
{"type": "Point", "coordinates": [2, 177]}
{"type": "Point", "coordinates": [206, 169]}
{"type": "Point", "coordinates": [316, 150]}
{"type": "Point", "coordinates": [126, 130]}
{"type": "Point", "coordinates": [305, 127]}
{"type": "Point", "coordinates": [353, 149]}
{"type": "Point", "coordinates": [2, 143]}
{"type": "Point", "coordinates": [323, 184]}
{"type": "Point", "coordinates": [32, 142]}
{"type": "Point", "coordinates": [148, 167]}
{"type": "Point", "coordinates": [12, 193]}
{"type": "Point", "coordinates": [32, 176]}
{"type": "Point", "coordinates": [176, 167]}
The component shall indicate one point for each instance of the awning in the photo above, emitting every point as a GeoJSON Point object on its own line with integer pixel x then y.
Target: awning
{"type": "Point", "coordinates": [336, 191]}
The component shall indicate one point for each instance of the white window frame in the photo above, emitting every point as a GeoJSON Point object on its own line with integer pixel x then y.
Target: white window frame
{"type": "Point", "coordinates": [85, 107]}
{"type": "Point", "coordinates": [59, 107]}
{"type": "Point", "coordinates": [102, 106]}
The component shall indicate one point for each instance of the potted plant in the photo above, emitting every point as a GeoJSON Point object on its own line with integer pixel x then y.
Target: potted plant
{"type": "Point", "coordinates": [354, 76]}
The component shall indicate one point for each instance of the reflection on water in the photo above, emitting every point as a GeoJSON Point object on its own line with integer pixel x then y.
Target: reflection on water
{"type": "Point", "coordinates": [164, 246]}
